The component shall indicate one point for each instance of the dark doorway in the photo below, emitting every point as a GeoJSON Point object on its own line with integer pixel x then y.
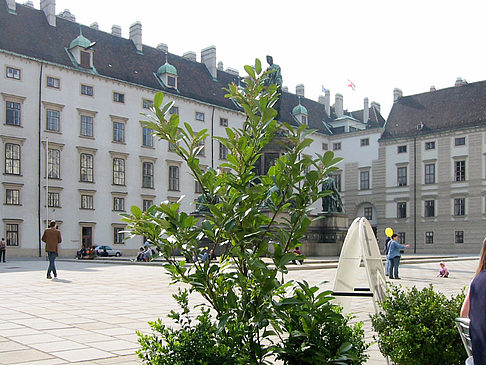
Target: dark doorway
{"type": "Point", "coordinates": [87, 236]}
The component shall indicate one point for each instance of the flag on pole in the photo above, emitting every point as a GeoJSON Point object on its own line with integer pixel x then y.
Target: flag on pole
{"type": "Point", "coordinates": [323, 89]}
{"type": "Point", "coordinates": [351, 84]}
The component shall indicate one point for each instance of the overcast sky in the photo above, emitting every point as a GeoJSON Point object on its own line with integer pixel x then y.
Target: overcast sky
{"type": "Point", "coordinates": [377, 44]}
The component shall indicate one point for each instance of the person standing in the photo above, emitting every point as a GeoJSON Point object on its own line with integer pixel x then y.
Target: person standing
{"type": "Point", "coordinates": [394, 255]}
{"type": "Point", "coordinates": [474, 307]}
{"type": "Point", "coordinates": [3, 249]}
{"type": "Point", "coordinates": [52, 238]}
{"type": "Point", "coordinates": [387, 247]}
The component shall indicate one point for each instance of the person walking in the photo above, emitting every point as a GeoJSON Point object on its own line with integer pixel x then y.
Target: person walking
{"type": "Point", "coordinates": [3, 249]}
{"type": "Point", "coordinates": [474, 307]}
{"type": "Point", "coordinates": [394, 255]}
{"type": "Point", "coordinates": [52, 238]}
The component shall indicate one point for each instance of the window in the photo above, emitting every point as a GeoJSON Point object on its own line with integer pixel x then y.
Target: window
{"type": "Point", "coordinates": [223, 151]}
{"type": "Point", "coordinates": [336, 146]}
{"type": "Point", "coordinates": [87, 201]}
{"type": "Point", "coordinates": [197, 187]}
{"type": "Point", "coordinates": [87, 90]}
{"type": "Point", "coordinates": [118, 171]}
{"type": "Point", "coordinates": [12, 234]}
{"type": "Point", "coordinates": [53, 82]}
{"type": "Point", "coordinates": [146, 204]}
{"type": "Point", "coordinates": [401, 176]}
{"type": "Point", "coordinates": [200, 116]}
{"type": "Point", "coordinates": [13, 113]}
{"type": "Point", "coordinates": [459, 206]}
{"type": "Point", "coordinates": [148, 175]}
{"type": "Point", "coordinates": [461, 141]}
{"type": "Point", "coordinates": [430, 146]}
{"type": "Point", "coordinates": [325, 146]}
{"type": "Point", "coordinates": [12, 159]}
{"type": "Point", "coordinates": [337, 181]}
{"type": "Point", "coordinates": [402, 210]}
{"type": "Point", "coordinates": [53, 200]}
{"type": "Point", "coordinates": [12, 196]}
{"type": "Point", "coordinates": [85, 59]}
{"type": "Point", "coordinates": [429, 238]}
{"type": "Point", "coordinates": [54, 163]}
{"type": "Point", "coordinates": [118, 98]}
{"type": "Point", "coordinates": [86, 167]}
{"type": "Point", "coordinates": [174, 110]}
{"type": "Point", "coordinates": [202, 151]}
{"type": "Point", "coordinates": [429, 173]}
{"type": "Point", "coordinates": [401, 237]}
{"type": "Point", "coordinates": [171, 81]}
{"type": "Point", "coordinates": [402, 149]}
{"type": "Point", "coordinates": [13, 73]}
{"type": "Point", "coordinates": [364, 142]}
{"type": "Point", "coordinates": [368, 213]}
{"type": "Point", "coordinates": [459, 236]}
{"type": "Point", "coordinates": [118, 235]}
{"type": "Point", "coordinates": [86, 126]}
{"type": "Point", "coordinates": [174, 178]}
{"type": "Point", "coordinates": [118, 204]}
{"type": "Point", "coordinates": [118, 132]}
{"type": "Point", "coordinates": [148, 140]}
{"type": "Point", "coordinates": [223, 122]}
{"type": "Point", "coordinates": [364, 180]}
{"type": "Point", "coordinates": [429, 208]}
{"type": "Point", "coordinates": [52, 120]}
{"type": "Point", "coordinates": [171, 147]}
{"type": "Point", "coordinates": [147, 104]}
{"type": "Point", "coordinates": [460, 170]}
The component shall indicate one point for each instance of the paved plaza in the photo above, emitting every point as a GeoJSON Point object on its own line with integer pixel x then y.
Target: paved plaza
{"type": "Point", "coordinates": [90, 313]}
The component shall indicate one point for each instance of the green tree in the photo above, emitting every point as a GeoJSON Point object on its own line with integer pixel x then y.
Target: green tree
{"type": "Point", "coordinates": [247, 216]}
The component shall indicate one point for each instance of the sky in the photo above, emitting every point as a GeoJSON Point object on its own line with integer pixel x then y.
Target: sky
{"type": "Point", "coordinates": [378, 45]}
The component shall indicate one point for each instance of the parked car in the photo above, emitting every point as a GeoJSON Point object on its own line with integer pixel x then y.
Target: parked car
{"type": "Point", "coordinates": [100, 251]}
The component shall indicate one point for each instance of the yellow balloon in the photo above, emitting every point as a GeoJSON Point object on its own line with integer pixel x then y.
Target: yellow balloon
{"type": "Point", "coordinates": [388, 231]}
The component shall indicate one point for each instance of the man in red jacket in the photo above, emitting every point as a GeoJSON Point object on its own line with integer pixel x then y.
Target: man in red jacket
{"type": "Point", "coordinates": [52, 238]}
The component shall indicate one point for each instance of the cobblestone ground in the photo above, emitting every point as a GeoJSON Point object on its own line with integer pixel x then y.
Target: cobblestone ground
{"type": "Point", "coordinates": [90, 313]}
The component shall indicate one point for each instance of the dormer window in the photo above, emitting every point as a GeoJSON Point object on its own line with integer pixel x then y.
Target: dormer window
{"type": "Point", "coordinates": [167, 75]}
{"type": "Point", "coordinates": [81, 51]}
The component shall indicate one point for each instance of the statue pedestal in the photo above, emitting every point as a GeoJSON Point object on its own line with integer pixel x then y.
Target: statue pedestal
{"type": "Point", "coordinates": [325, 237]}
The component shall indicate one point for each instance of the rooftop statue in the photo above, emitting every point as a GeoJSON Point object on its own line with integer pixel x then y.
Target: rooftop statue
{"type": "Point", "coordinates": [331, 203]}
{"type": "Point", "coordinates": [275, 77]}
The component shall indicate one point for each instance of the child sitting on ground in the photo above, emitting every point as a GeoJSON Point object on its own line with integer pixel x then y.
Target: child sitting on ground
{"type": "Point", "coordinates": [444, 271]}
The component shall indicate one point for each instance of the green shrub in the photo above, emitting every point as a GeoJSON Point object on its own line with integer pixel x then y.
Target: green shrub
{"type": "Point", "coordinates": [417, 327]}
{"type": "Point", "coordinates": [188, 345]}
{"type": "Point", "coordinates": [318, 330]}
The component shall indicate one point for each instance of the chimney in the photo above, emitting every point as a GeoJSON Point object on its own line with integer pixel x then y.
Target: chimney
{"type": "Point", "coordinates": [432, 88]}
{"type": "Point", "coordinates": [163, 47]}
{"type": "Point", "coordinates": [366, 111]}
{"type": "Point", "coordinates": [28, 3]}
{"type": "Point", "coordinates": [136, 35]}
{"type": "Point", "coordinates": [300, 90]}
{"type": "Point", "coordinates": [12, 7]}
{"type": "Point", "coordinates": [116, 30]}
{"type": "Point", "coordinates": [191, 56]}
{"type": "Point", "coordinates": [233, 71]}
{"type": "Point", "coordinates": [397, 94]}
{"type": "Point", "coordinates": [460, 82]}
{"type": "Point", "coordinates": [338, 105]}
{"type": "Point", "coordinates": [208, 57]}
{"type": "Point", "coordinates": [327, 102]}
{"type": "Point", "coordinates": [285, 89]}
{"type": "Point", "coordinates": [220, 65]}
{"type": "Point", "coordinates": [66, 14]}
{"type": "Point", "coordinates": [376, 105]}
{"type": "Point", "coordinates": [95, 26]}
{"type": "Point", "coordinates": [321, 99]}
{"type": "Point", "coordinates": [49, 8]}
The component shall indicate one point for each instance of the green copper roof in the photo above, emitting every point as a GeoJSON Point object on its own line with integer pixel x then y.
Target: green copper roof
{"type": "Point", "coordinates": [80, 41]}
{"type": "Point", "coordinates": [167, 68]}
{"type": "Point", "coordinates": [299, 109]}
